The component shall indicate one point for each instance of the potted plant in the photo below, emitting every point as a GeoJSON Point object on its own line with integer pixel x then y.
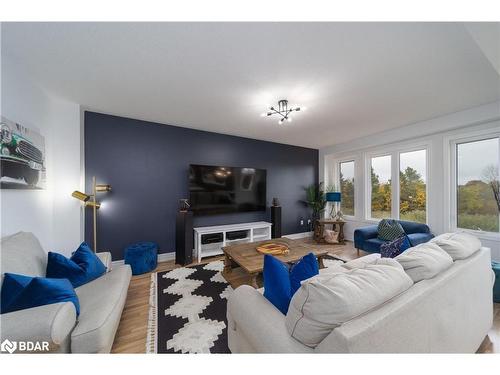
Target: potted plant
{"type": "Point", "coordinates": [316, 200]}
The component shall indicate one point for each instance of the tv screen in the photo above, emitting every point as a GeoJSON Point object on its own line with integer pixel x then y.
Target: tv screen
{"type": "Point", "coordinates": [218, 190]}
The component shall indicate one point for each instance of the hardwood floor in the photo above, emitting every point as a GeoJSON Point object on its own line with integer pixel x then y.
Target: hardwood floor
{"type": "Point", "coordinates": [132, 331]}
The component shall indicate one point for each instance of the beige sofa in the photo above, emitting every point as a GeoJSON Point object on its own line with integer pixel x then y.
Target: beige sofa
{"type": "Point", "coordinates": [450, 312]}
{"type": "Point", "coordinates": [101, 303]}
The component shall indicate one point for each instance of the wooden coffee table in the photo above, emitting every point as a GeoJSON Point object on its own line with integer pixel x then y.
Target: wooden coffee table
{"type": "Point", "coordinates": [252, 262]}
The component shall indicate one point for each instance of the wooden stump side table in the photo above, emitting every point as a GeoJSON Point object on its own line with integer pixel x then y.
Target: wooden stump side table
{"type": "Point", "coordinates": [337, 226]}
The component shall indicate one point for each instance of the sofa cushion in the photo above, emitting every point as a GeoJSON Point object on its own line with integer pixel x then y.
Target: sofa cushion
{"type": "Point", "coordinates": [328, 271]}
{"type": "Point", "coordinates": [361, 262]}
{"type": "Point", "coordinates": [101, 304]}
{"type": "Point", "coordinates": [21, 292]}
{"type": "Point", "coordinates": [458, 245]}
{"type": "Point", "coordinates": [82, 267]}
{"type": "Point", "coordinates": [424, 261]}
{"type": "Point", "coordinates": [389, 229]}
{"type": "Point", "coordinates": [323, 303]}
{"type": "Point", "coordinates": [418, 238]}
{"type": "Point", "coordinates": [395, 247]}
{"type": "Point", "coordinates": [22, 253]}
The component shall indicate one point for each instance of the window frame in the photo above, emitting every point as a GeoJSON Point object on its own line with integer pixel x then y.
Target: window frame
{"type": "Point", "coordinates": [368, 190]}
{"type": "Point", "coordinates": [337, 182]}
{"type": "Point", "coordinates": [427, 169]}
{"type": "Point", "coordinates": [395, 153]}
{"type": "Point", "coordinates": [451, 213]}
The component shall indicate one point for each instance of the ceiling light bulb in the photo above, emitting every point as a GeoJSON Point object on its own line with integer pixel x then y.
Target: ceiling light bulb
{"type": "Point", "coordinates": [263, 114]}
{"type": "Point", "coordinates": [283, 111]}
{"type": "Point", "coordinates": [303, 108]}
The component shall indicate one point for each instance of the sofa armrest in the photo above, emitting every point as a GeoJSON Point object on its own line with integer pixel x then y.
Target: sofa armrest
{"type": "Point", "coordinates": [52, 323]}
{"type": "Point", "coordinates": [262, 325]}
{"type": "Point", "coordinates": [363, 234]}
{"type": "Point", "coordinates": [106, 259]}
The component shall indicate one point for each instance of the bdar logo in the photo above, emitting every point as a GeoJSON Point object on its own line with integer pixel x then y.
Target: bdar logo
{"type": "Point", "coordinates": [8, 346]}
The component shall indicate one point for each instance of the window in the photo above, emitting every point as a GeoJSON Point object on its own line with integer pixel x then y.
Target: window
{"type": "Point", "coordinates": [346, 181]}
{"type": "Point", "coordinates": [412, 186]}
{"type": "Point", "coordinates": [381, 187]}
{"type": "Point", "coordinates": [477, 185]}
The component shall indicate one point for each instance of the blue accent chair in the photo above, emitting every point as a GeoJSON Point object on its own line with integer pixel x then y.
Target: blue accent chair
{"type": "Point", "coordinates": [142, 257]}
{"type": "Point", "coordinates": [367, 238]}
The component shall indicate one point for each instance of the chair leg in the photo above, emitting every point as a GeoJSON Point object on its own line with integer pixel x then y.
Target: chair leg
{"type": "Point", "coordinates": [357, 251]}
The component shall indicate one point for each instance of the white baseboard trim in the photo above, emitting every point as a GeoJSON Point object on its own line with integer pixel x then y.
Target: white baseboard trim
{"type": "Point", "coordinates": [161, 258]}
{"type": "Point", "coordinates": [165, 257]}
{"type": "Point", "coordinates": [296, 236]}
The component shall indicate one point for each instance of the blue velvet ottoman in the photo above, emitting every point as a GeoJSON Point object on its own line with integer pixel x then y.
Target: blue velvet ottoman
{"type": "Point", "coordinates": [142, 257]}
{"type": "Point", "coordinates": [496, 287]}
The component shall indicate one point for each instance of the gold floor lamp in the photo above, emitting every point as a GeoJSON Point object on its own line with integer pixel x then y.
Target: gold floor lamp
{"type": "Point", "coordinates": [91, 201]}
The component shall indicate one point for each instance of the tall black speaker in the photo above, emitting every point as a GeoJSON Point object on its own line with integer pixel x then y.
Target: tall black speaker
{"type": "Point", "coordinates": [184, 238]}
{"type": "Point", "coordinates": [276, 221]}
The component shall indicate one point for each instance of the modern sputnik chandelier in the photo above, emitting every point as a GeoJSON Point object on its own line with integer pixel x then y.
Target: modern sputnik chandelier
{"type": "Point", "coordinates": [283, 111]}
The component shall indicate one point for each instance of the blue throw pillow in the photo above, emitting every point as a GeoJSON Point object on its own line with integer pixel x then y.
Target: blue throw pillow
{"type": "Point", "coordinates": [281, 281]}
{"type": "Point", "coordinates": [394, 248]}
{"type": "Point", "coordinates": [83, 266]}
{"type": "Point", "coordinates": [277, 287]}
{"type": "Point", "coordinates": [304, 269]}
{"type": "Point", "coordinates": [21, 292]}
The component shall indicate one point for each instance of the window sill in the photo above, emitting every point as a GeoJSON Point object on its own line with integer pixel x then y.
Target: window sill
{"type": "Point", "coordinates": [349, 218]}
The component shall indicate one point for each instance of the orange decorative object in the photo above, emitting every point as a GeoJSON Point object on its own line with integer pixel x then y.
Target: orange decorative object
{"type": "Point", "coordinates": [273, 249]}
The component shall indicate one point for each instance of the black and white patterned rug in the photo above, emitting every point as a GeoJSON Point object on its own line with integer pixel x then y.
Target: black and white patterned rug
{"type": "Point", "coordinates": [188, 310]}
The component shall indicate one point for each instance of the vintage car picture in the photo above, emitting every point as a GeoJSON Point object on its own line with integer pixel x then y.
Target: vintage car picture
{"type": "Point", "coordinates": [22, 158]}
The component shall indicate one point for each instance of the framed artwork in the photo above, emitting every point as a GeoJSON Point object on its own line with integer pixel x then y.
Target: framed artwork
{"type": "Point", "coordinates": [22, 157]}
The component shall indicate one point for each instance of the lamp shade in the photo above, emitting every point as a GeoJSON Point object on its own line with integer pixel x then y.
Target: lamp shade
{"type": "Point", "coordinates": [333, 196]}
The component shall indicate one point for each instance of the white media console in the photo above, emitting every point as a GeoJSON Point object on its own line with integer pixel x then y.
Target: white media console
{"type": "Point", "coordinates": [209, 241]}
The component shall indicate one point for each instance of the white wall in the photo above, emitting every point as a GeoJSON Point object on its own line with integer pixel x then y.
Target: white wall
{"type": "Point", "coordinates": [52, 214]}
{"type": "Point", "coordinates": [434, 134]}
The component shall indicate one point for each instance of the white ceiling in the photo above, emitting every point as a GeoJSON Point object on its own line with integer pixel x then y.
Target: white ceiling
{"type": "Point", "coordinates": [355, 78]}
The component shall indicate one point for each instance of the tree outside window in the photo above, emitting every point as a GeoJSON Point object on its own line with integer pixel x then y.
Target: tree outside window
{"type": "Point", "coordinates": [412, 186]}
{"type": "Point", "coordinates": [347, 187]}
{"type": "Point", "coordinates": [381, 197]}
{"type": "Point", "coordinates": [478, 185]}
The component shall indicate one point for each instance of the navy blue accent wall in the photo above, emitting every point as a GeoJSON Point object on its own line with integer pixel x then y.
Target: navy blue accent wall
{"type": "Point", "coordinates": [147, 165]}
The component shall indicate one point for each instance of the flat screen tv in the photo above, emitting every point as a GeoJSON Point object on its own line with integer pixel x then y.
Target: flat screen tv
{"type": "Point", "coordinates": [219, 190]}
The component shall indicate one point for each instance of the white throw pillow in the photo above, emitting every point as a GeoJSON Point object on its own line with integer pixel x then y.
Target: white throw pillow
{"type": "Point", "coordinates": [458, 245]}
{"type": "Point", "coordinates": [424, 261]}
{"type": "Point", "coordinates": [326, 301]}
